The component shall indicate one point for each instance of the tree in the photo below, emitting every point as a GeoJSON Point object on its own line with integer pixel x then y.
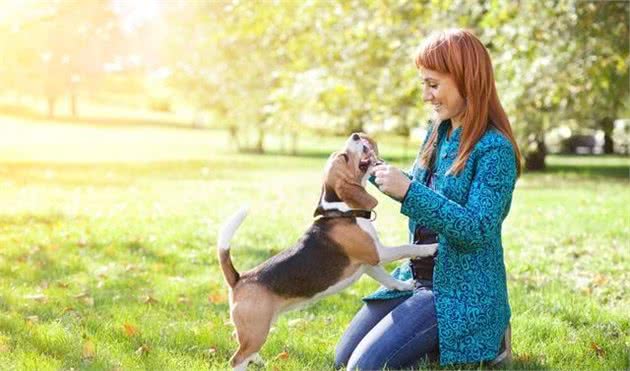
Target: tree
{"type": "Point", "coordinates": [287, 65]}
{"type": "Point", "coordinates": [63, 48]}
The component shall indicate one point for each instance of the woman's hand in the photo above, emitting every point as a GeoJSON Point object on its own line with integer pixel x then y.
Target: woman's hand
{"type": "Point", "coordinates": [391, 181]}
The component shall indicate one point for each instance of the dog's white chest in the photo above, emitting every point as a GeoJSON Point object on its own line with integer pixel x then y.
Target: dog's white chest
{"type": "Point", "coordinates": [368, 227]}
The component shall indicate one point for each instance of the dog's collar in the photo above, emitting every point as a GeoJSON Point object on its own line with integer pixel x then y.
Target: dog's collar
{"type": "Point", "coordinates": [336, 213]}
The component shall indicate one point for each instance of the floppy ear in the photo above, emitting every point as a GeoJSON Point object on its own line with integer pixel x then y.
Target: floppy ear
{"type": "Point", "coordinates": [318, 209]}
{"type": "Point", "coordinates": [354, 195]}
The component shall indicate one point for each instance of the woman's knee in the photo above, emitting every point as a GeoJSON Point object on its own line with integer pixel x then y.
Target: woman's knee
{"type": "Point", "coordinates": [366, 361]}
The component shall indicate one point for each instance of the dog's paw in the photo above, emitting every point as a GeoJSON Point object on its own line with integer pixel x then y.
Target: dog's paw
{"type": "Point", "coordinates": [257, 360]}
{"type": "Point", "coordinates": [404, 285]}
{"type": "Point", "coordinates": [427, 249]}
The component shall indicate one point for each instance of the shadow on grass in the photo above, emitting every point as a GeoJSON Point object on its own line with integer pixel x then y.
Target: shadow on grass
{"type": "Point", "coordinates": [33, 115]}
{"type": "Point", "coordinates": [31, 219]}
{"type": "Point", "coordinates": [589, 170]}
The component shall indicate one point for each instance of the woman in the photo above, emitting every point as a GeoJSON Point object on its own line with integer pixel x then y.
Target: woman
{"type": "Point", "coordinates": [458, 192]}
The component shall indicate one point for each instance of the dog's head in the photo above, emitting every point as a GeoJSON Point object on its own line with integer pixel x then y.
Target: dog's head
{"type": "Point", "coordinates": [348, 170]}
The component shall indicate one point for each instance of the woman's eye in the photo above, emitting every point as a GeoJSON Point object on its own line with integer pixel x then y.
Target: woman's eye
{"type": "Point", "coordinates": [432, 86]}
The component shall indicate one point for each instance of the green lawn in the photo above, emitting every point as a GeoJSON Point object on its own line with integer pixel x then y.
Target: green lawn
{"type": "Point", "coordinates": [107, 257]}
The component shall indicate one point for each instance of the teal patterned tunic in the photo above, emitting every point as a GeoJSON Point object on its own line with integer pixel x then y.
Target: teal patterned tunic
{"type": "Point", "coordinates": [466, 210]}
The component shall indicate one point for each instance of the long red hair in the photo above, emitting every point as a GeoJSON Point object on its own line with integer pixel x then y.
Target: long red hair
{"type": "Point", "coordinates": [459, 53]}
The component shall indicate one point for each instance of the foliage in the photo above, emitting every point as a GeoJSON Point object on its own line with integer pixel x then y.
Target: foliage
{"type": "Point", "coordinates": [348, 66]}
{"type": "Point", "coordinates": [63, 47]}
{"type": "Point", "coordinates": [336, 67]}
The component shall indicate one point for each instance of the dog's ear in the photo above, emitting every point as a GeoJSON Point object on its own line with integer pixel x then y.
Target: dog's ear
{"type": "Point", "coordinates": [319, 210]}
{"type": "Point", "coordinates": [354, 195]}
{"type": "Point", "coordinates": [336, 168]}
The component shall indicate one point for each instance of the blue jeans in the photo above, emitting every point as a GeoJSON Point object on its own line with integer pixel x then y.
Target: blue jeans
{"type": "Point", "coordinates": [395, 333]}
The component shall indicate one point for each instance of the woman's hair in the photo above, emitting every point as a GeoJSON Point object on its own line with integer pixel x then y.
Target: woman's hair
{"type": "Point", "coordinates": [460, 54]}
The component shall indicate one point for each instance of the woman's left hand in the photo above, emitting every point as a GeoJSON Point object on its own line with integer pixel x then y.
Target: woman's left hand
{"type": "Point", "coordinates": [391, 181]}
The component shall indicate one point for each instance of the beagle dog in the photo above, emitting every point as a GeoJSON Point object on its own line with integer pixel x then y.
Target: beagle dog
{"type": "Point", "coordinates": [335, 251]}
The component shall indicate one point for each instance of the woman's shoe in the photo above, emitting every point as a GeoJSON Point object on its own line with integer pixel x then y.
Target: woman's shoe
{"type": "Point", "coordinates": [505, 350]}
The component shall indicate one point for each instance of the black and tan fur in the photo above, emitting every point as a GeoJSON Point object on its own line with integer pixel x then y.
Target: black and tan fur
{"type": "Point", "coordinates": [332, 254]}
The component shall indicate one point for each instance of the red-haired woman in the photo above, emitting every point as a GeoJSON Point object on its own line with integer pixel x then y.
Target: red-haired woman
{"type": "Point", "coordinates": [458, 193]}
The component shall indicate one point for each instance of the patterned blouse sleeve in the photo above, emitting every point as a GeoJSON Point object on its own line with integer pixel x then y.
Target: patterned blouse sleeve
{"type": "Point", "coordinates": [473, 225]}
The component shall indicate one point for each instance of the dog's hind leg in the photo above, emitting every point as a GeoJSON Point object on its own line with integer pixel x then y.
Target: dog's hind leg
{"type": "Point", "coordinates": [250, 341]}
{"type": "Point", "coordinates": [252, 321]}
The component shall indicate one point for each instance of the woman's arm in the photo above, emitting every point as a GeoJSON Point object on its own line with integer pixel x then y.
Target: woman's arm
{"type": "Point", "coordinates": [473, 225]}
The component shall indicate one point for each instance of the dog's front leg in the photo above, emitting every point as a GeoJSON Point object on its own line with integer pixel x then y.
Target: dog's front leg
{"type": "Point", "coordinates": [380, 274]}
{"type": "Point", "coordinates": [390, 254]}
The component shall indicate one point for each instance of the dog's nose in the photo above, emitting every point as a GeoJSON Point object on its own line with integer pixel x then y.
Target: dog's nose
{"type": "Point", "coordinates": [355, 136]}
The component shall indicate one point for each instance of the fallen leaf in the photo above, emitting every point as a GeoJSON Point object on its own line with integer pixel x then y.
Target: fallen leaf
{"type": "Point", "coordinates": [63, 285]}
{"type": "Point", "coordinates": [598, 349]}
{"type": "Point", "coordinates": [600, 280]}
{"type": "Point", "coordinates": [217, 298]}
{"type": "Point", "coordinates": [67, 310]}
{"type": "Point", "coordinates": [131, 268]}
{"type": "Point", "coordinates": [283, 356]}
{"type": "Point", "coordinates": [85, 298]}
{"type": "Point", "coordinates": [150, 300]}
{"type": "Point", "coordinates": [183, 300]}
{"type": "Point", "coordinates": [31, 320]}
{"type": "Point", "coordinates": [129, 329]}
{"type": "Point", "coordinates": [89, 301]}
{"type": "Point", "coordinates": [4, 347]}
{"type": "Point", "coordinates": [89, 350]}
{"type": "Point", "coordinates": [81, 295]}
{"type": "Point", "coordinates": [296, 322]}
{"type": "Point", "coordinates": [41, 298]}
{"type": "Point", "coordinates": [143, 350]}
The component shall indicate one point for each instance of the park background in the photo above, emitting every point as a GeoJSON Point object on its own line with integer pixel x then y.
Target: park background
{"type": "Point", "coordinates": [129, 130]}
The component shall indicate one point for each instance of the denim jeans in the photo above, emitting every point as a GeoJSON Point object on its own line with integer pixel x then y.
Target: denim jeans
{"type": "Point", "coordinates": [392, 333]}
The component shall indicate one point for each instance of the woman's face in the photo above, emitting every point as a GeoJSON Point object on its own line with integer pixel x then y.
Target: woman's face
{"type": "Point", "coordinates": [440, 91]}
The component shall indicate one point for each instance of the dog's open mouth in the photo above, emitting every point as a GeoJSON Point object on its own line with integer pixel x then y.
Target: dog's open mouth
{"type": "Point", "coordinates": [364, 165]}
{"type": "Point", "coordinates": [368, 157]}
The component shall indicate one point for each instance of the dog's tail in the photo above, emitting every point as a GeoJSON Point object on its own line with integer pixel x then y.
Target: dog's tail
{"type": "Point", "coordinates": [223, 246]}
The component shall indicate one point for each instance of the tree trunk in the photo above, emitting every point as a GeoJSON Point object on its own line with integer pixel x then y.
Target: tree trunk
{"type": "Point", "coordinates": [535, 155]}
{"type": "Point", "coordinates": [233, 129]}
{"type": "Point", "coordinates": [294, 143]}
{"type": "Point", "coordinates": [73, 105]}
{"type": "Point", "coordinates": [51, 106]}
{"type": "Point", "coordinates": [607, 125]}
{"type": "Point", "coordinates": [260, 144]}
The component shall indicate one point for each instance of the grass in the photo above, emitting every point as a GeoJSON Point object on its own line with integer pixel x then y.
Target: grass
{"type": "Point", "coordinates": [107, 258]}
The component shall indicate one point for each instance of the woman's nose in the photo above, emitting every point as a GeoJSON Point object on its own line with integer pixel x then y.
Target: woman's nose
{"type": "Point", "coordinates": [426, 95]}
